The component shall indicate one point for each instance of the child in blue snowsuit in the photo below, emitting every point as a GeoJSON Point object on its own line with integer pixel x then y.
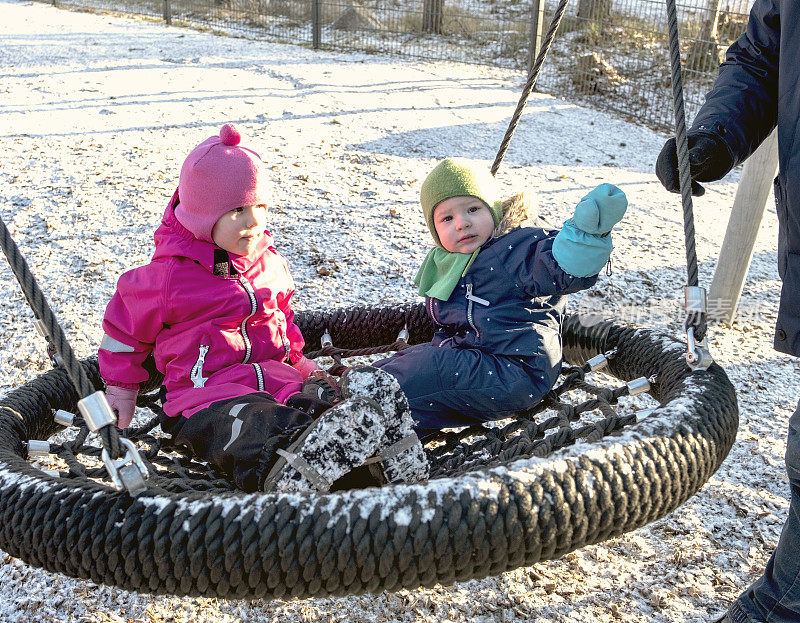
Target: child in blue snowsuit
{"type": "Point", "coordinates": [496, 291]}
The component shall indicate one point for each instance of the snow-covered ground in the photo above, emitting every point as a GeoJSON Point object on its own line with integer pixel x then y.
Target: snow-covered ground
{"type": "Point", "coordinates": [98, 113]}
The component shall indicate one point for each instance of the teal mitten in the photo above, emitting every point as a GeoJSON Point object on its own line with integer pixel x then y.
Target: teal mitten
{"type": "Point", "coordinates": [583, 245]}
{"type": "Point", "coordinates": [601, 209]}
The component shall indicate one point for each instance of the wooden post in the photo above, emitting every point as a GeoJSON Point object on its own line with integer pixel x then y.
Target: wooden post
{"type": "Point", "coordinates": [594, 10]}
{"type": "Point", "coordinates": [167, 13]}
{"type": "Point", "coordinates": [432, 16]}
{"type": "Point", "coordinates": [316, 25]}
{"type": "Point", "coordinates": [537, 23]}
{"type": "Point", "coordinates": [704, 53]}
{"type": "Point", "coordinates": [740, 236]}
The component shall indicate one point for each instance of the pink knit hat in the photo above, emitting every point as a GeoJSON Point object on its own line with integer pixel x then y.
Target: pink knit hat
{"type": "Point", "coordinates": [218, 176]}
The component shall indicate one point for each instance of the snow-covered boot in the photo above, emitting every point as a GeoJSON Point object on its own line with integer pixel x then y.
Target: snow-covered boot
{"type": "Point", "coordinates": [341, 439]}
{"type": "Point", "coordinates": [403, 458]}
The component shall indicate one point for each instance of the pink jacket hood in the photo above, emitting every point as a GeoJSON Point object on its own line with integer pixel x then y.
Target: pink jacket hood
{"type": "Point", "coordinates": [172, 239]}
{"type": "Point", "coordinates": [218, 325]}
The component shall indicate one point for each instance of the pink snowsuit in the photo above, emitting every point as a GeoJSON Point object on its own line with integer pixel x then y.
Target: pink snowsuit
{"type": "Point", "coordinates": [219, 325]}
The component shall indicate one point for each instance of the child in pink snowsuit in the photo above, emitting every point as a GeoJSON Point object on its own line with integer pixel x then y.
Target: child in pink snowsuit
{"type": "Point", "coordinates": [213, 308]}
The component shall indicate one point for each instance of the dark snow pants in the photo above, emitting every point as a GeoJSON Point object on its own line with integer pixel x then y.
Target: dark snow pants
{"type": "Point", "coordinates": [239, 436]}
{"type": "Point", "coordinates": [775, 596]}
{"type": "Point", "coordinates": [453, 387]}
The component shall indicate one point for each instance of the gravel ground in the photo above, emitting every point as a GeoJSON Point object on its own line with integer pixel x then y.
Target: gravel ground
{"type": "Point", "coordinates": [98, 113]}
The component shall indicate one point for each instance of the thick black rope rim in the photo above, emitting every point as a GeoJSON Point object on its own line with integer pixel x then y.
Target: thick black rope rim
{"type": "Point", "coordinates": [480, 523]}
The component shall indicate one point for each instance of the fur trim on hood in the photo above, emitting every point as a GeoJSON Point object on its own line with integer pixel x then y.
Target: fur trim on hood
{"type": "Point", "coordinates": [519, 211]}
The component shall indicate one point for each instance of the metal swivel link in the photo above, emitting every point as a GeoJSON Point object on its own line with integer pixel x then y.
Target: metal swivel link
{"type": "Point", "coordinates": [130, 471]}
{"type": "Point", "coordinates": [698, 356]}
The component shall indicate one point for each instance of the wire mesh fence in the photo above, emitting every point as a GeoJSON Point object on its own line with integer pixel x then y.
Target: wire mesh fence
{"type": "Point", "coordinates": [609, 54]}
{"type": "Point", "coordinates": [614, 55]}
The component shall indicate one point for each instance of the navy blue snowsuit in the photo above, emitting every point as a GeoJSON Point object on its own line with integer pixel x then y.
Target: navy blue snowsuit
{"type": "Point", "coordinates": [758, 88]}
{"type": "Point", "coordinates": [497, 348]}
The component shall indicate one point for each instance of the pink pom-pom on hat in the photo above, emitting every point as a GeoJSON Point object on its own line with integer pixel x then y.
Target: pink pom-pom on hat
{"type": "Point", "coordinates": [229, 135]}
{"type": "Point", "coordinates": [218, 176]}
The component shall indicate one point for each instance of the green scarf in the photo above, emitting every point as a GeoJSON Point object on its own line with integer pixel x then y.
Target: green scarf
{"type": "Point", "coordinates": [440, 272]}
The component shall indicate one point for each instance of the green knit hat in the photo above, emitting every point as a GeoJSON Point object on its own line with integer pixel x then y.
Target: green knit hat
{"type": "Point", "coordinates": [456, 177]}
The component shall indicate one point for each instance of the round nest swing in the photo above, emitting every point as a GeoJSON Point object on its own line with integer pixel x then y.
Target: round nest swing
{"type": "Point", "coordinates": [499, 498]}
{"type": "Point", "coordinates": [549, 481]}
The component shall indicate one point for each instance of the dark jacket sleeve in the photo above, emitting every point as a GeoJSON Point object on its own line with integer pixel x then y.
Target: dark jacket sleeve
{"type": "Point", "coordinates": [742, 108]}
{"type": "Point", "coordinates": [536, 271]}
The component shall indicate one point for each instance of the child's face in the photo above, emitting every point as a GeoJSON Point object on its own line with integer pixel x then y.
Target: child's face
{"type": "Point", "coordinates": [463, 224]}
{"type": "Point", "coordinates": [240, 230]}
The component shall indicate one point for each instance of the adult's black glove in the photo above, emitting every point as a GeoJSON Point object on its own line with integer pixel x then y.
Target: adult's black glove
{"type": "Point", "coordinates": [709, 160]}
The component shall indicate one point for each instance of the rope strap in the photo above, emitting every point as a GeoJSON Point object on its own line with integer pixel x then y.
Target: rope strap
{"type": "Point", "coordinates": [533, 75]}
{"type": "Point", "coordinates": [305, 469]}
{"type": "Point", "coordinates": [409, 441]}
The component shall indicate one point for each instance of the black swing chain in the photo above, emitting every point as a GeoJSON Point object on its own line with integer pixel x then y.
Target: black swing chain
{"type": "Point", "coordinates": [695, 318]}
{"type": "Point", "coordinates": [533, 75]}
{"type": "Point", "coordinates": [696, 313]}
{"type": "Point", "coordinates": [55, 334]}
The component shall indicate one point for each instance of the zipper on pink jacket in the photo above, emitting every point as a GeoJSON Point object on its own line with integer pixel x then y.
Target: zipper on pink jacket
{"type": "Point", "coordinates": [259, 376]}
{"type": "Point", "coordinates": [287, 348]}
{"type": "Point", "coordinates": [196, 375]}
{"type": "Point", "coordinates": [243, 327]}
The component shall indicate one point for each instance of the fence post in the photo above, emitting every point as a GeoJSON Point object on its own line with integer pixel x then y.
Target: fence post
{"type": "Point", "coordinates": [740, 236]}
{"type": "Point", "coordinates": [167, 13]}
{"type": "Point", "coordinates": [433, 16]}
{"type": "Point", "coordinates": [316, 27]}
{"type": "Point", "coordinates": [537, 24]}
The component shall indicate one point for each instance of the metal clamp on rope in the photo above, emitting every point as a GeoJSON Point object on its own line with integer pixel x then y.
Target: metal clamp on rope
{"type": "Point", "coordinates": [65, 418]}
{"type": "Point", "coordinates": [596, 362]}
{"type": "Point", "coordinates": [326, 339]}
{"type": "Point", "coordinates": [403, 335]}
{"type": "Point", "coordinates": [640, 415]}
{"type": "Point", "coordinates": [638, 386]}
{"type": "Point", "coordinates": [698, 355]}
{"type": "Point", "coordinates": [38, 448]}
{"type": "Point", "coordinates": [129, 472]}
{"type": "Point", "coordinates": [96, 411]}
{"type": "Point", "coordinates": [55, 358]}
